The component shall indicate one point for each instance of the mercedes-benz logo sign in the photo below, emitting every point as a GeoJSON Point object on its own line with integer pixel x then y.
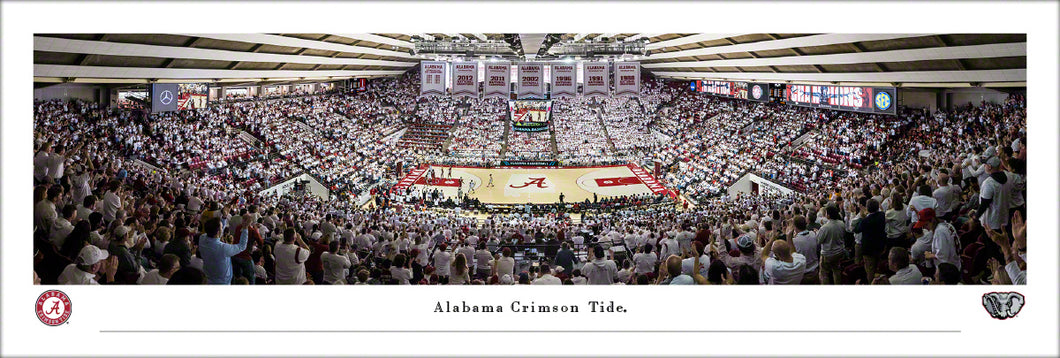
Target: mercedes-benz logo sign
{"type": "Point", "coordinates": [166, 98]}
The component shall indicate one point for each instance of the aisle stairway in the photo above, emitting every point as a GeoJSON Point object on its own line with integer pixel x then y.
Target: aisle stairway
{"type": "Point", "coordinates": [610, 144]}
{"type": "Point", "coordinates": [504, 140]}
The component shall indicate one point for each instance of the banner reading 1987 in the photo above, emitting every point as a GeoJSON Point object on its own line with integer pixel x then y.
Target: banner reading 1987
{"type": "Point", "coordinates": [846, 98]}
{"type": "Point", "coordinates": [432, 78]}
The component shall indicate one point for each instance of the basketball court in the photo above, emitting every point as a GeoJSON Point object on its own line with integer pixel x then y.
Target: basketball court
{"type": "Point", "coordinates": [537, 185]}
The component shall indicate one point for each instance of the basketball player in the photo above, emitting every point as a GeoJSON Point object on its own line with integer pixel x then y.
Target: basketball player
{"type": "Point", "coordinates": [490, 185]}
{"type": "Point", "coordinates": [470, 186]}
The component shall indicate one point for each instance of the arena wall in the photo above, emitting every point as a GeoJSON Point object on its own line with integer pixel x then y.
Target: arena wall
{"type": "Point", "coordinates": [743, 185]}
{"type": "Point", "coordinates": [919, 98]}
{"type": "Point", "coordinates": [314, 187]}
{"type": "Point", "coordinates": [68, 91]}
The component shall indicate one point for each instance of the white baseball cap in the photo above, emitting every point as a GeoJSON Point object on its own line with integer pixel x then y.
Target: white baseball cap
{"type": "Point", "coordinates": [90, 255]}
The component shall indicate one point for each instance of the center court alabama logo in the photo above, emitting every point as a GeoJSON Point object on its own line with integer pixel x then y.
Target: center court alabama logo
{"type": "Point", "coordinates": [53, 307]}
{"type": "Point", "coordinates": [540, 182]}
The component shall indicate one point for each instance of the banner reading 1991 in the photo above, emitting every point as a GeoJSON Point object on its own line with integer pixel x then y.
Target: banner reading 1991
{"type": "Point", "coordinates": [846, 98]}
{"type": "Point", "coordinates": [563, 81]}
{"type": "Point", "coordinates": [596, 81]}
{"type": "Point", "coordinates": [432, 78]}
{"type": "Point", "coordinates": [465, 79]}
{"type": "Point", "coordinates": [627, 78]}
{"type": "Point", "coordinates": [498, 80]}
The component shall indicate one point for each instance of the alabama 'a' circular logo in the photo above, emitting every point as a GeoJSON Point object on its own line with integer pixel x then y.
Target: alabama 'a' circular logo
{"type": "Point", "coordinates": [53, 307]}
{"type": "Point", "coordinates": [883, 101]}
{"type": "Point", "coordinates": [756, 91]}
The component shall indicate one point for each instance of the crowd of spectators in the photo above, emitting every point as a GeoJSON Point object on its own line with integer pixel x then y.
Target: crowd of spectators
{"type": "Point", "coordinates": [917, 198]}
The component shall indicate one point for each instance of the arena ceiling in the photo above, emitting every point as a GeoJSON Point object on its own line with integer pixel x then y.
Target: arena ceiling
{"type": "Point", "coordinates": [936, 60]}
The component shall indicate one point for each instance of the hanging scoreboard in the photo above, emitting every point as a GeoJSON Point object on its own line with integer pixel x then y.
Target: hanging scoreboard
{"type": "Point", "coordinates": [844, 98]}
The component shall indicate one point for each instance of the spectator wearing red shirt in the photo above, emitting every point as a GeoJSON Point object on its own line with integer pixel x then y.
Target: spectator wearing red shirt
{"type": "Point", "coordinates": [243, 262]}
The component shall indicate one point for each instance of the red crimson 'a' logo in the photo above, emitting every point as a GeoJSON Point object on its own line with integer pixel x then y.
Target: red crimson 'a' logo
{"type": "Point", "coordinates": [53, 307]}
{"type": "Point", "coordinates": [539, 181]}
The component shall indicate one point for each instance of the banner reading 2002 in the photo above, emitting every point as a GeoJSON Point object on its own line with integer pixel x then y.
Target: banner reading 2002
{"type": "Point", "coordinates": [531, 80]}
{"type": "Point", "coordinates": [596, 81]}
{"type": "Point", "coordinates": [563, 81]}
{"type": "Point", "coordinates": [432, 78]}
{"type": "Point", "coordinates": [498, 79]}
{"type": "Point", "coordinates": [627, 78]}
{"type": "Point", "coordinates": [465, 79]}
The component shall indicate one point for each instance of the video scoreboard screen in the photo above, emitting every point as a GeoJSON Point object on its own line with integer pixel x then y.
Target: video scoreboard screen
{"type": "Point", "coordinates": [732, 89]}
{"type": "Point", "coordinates": [845, 98]}
{"type": "Point", "coordinates": [530, 115]}
{"type": "Point", "coordinates": [193, 96]}
{"type": "Point", "coordinates": [163, 97]}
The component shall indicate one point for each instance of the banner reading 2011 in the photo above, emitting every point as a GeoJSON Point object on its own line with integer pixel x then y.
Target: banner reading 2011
{"type": "Point", "coordinates": [465, 79]}
{"type": "Point", "coordinates": [627, 78]}
{"type": "Point", "coordinates": [432, 78]}
{"type": "Point", "coordinates": [596, 81]}
{"type": "Point", "coordinates": [498, 80]}
{"type": "Point", "coordinates": [531, 80]}
{"type": "Point", "coordinates": [564, 79]}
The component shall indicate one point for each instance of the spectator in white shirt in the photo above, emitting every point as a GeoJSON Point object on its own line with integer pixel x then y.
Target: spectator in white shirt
{"type": "Point", "coordinates": [442, 262]}
{"type": "Point", "coordinates": [905, 273]}
{"type": "Point", "coordinates": [504, 265]}
{"type": "Point", "coordinates": [90, 265]}
{"type": "Point", "coordinates": [167, 265]}
{"type": "Point", "coordinates": [600, 271]}
{"type": "Point", "coordinates": [62, 226]}
{"type": "Point", "coordinates": [112, 201]}
{"type": "Point", "coordinates": [336, 264]}
{"type": "Point", "coordinates": [783, 267]}
{"type": "Point", "coordinates": [291, 256]}
{"type": "Point", "coordinates": [645, 260]}
{"type": "Point", "coordinates": [546, 277]}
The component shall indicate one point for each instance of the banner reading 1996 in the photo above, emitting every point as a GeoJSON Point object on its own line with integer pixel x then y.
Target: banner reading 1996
{"type": "Point", "coordinates": [563, 80]}
{"type": "Point", "coordinates": [846, 98]}
{"type": "Point", "coordinates": [531, 80]}
{"type": "Point", "coordinates": [498, 80]}
{"type": "Point", "coordinates": [627, 78]}
{"type": "Point", "coordinates": [596, 81]}
{"type": "Point", "coordinates": [465, 79]}
{"type": "Point", "coordinates": [432, 78]}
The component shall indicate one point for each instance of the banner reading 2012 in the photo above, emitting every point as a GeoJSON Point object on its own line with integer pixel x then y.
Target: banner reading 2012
{"type": "Point", "coordinates": [531, 80]}
{"type": "Point", "coordinates": [465, 79]}
{"type": "Point", "coordinates": [564, 77]}
{"type": "Point", "coordinates": [432, 78]}
{"type": "Point", "coordinates": [596, 79]}
{"type": "Point", "coordinates": [498, 80]}
{"type": "Point", "coordinates": [627, 78]}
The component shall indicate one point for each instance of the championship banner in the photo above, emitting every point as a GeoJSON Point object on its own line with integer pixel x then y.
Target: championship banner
{"type": "Point", "coordinates": [627, 78]}
{"type": "Point", "coordinates": [758, 92]}
{"type": "Point", "coordinates": [498, 80]}
{"type": "Point", "coordinates": [465, 79]}
{"type": "Point", "coordinates": [432, 78]}
{"type": "Point", "coordinates": [564, 79]}
{"type": "Point", "coordinates": [596, 81]}
{"type": "Point", "coordinates": [531, 79]}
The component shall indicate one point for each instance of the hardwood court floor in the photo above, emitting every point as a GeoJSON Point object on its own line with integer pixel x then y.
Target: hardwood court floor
{"type": "Point", "coordinates": [532, 185]}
